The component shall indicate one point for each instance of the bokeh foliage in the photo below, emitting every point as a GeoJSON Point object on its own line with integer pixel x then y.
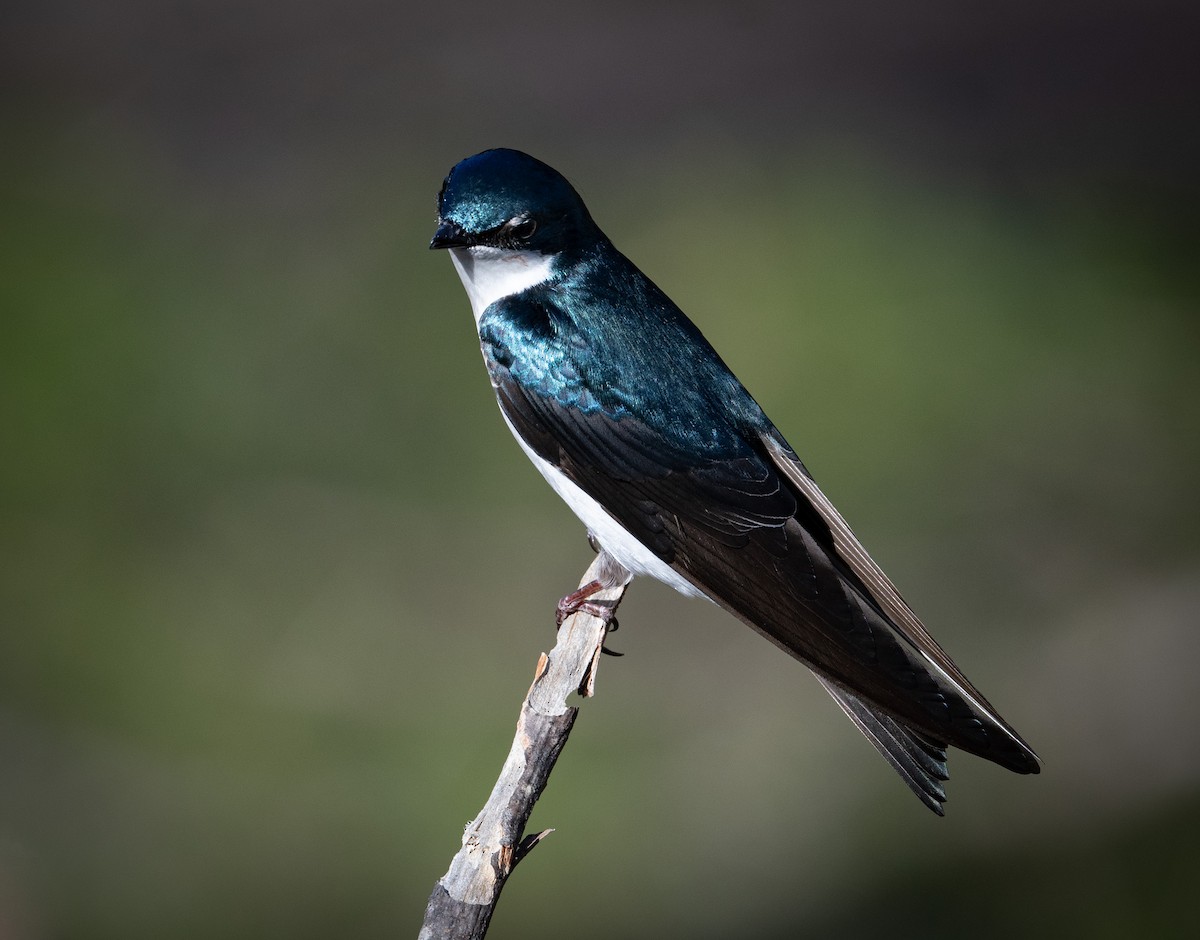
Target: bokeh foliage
{"type": "Point", "coordinates": [274, 576]}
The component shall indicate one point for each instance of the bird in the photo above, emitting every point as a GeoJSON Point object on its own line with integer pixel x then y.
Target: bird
{"type": "Point", "coordinates": [677, 473]}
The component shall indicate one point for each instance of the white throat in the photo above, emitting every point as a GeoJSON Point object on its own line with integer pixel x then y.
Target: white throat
{"type": "Point", "coordinates": [491, 274]}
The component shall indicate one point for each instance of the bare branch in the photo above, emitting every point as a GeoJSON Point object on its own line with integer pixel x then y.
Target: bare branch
{"type": "Point", "coordinates": [463, 901]}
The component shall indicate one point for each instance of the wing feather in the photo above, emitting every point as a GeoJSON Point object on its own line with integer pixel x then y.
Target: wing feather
{"type": "Point", "coordinates": [887, 596]}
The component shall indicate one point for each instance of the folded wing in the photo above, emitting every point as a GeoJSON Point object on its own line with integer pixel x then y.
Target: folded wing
{"type": "Point", "coordinates": [746, 524]}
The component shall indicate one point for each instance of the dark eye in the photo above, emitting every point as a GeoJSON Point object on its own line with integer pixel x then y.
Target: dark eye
{"type": "Point", "coordinates": [522, 229]}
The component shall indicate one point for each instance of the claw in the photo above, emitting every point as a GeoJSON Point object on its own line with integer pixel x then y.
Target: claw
{"type": "Point", "coordinates": [578, 601]}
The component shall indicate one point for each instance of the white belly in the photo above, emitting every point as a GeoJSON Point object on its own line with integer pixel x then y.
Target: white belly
{"type": "Point", "coordinates": [611, 535]}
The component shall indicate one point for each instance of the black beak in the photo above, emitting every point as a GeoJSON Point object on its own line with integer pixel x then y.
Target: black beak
{"type": "Point", "coordinates": [450, 235]}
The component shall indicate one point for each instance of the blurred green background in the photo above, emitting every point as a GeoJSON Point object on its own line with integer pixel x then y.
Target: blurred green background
{"type": "Point", "coordinates": [274, 577]}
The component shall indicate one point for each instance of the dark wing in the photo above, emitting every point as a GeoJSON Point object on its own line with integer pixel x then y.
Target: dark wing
{"type": "Point", "coordinates": [744, 523]}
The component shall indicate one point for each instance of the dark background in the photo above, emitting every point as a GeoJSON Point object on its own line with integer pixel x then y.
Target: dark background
{"type": "Point", "coordinates": [274, 577]}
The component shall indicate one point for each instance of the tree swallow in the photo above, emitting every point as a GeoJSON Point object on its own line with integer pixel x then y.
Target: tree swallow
{"type": "Point", "coordinates": [677, 473]}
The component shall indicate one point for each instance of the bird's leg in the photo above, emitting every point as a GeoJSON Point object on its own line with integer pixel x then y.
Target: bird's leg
{"type": "Point", "coordinates": [612, 574]}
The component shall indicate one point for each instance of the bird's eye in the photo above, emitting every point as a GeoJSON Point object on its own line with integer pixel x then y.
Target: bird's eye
{"type": "Point", "coordinates": [522, 229]}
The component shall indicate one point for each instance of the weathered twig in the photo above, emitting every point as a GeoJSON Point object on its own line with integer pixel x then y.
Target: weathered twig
{"type": "Point", "coordinates": [462, 902]}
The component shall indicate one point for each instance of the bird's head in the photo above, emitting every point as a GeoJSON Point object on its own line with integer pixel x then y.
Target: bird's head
{"type": "Point", "coordinates": [507, 200]}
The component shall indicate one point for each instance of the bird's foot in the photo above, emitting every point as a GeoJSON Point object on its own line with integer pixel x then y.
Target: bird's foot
{"type": "Point", "coordinates": [578, 601]}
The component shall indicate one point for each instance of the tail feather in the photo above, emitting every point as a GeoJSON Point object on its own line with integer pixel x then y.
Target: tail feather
{"type": "Point", "coordinates": [920, 762]}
